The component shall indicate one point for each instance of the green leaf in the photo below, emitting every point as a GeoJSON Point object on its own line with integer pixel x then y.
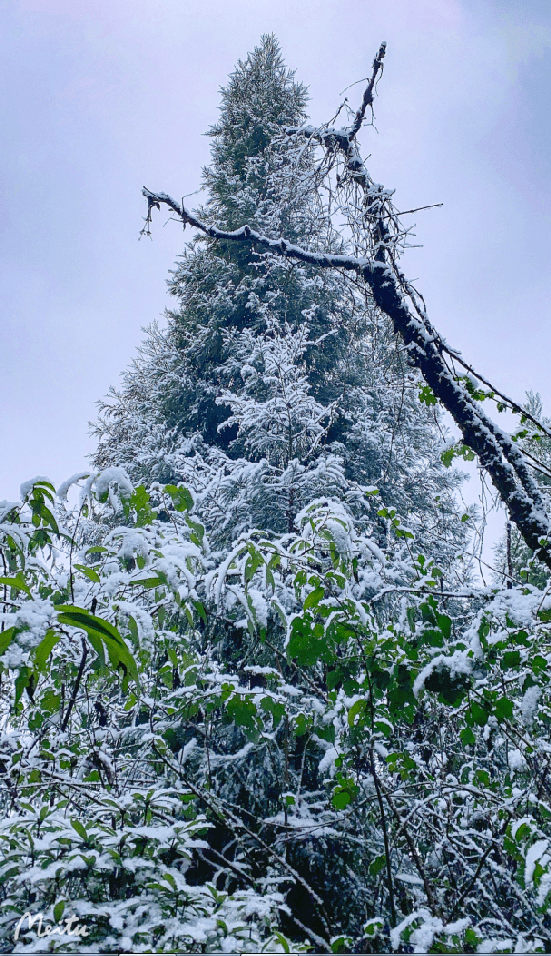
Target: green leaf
{"type": "Point", "coordinates": [308, 642]}
{"type": "Point", "coordinates": [445, 624]}
{"type": "Point", "coordinates": [450, 690]}
{"type": "Point", "coordinates": [482, 777]}
{"type": "Point", "coordinates": [479, 715]}
{"type": "Point", "coordinates": [6, 638]}
{"type": "Point", "coordinates": [333, 678]}
{"type": "Point", "coordinates": [457, 451]}
{"type": "Point", "coordinates": [17, 583]}
{"type": "Point", "coordinates": [242, 711]}
{"type": "Point", "coordinates": [44, 649]}
{"type": "Point", "coordinates": [377, 865]}
{"type": "Point", "coordinates": [282, 941]}
{"type": "Point", "coordinates": [504, 709]}
{"type": "Point", "coordinates": [539, 663]}
{"type": "Point", "coordinates": [101, 632]}
{"type": "Point", "coordinates": [341, 798]}
{"type": "Point", "coordinates": [427, 396]}
{"type": "Point", "coordinates": [510, 659]}
{"type": "Point", "coordinates": [356, 710]}
{"type": "Point", "coordinates": [341, 943]}
{"type": "Point", "coordinates": [88, 572]}
{"type": "Point", "coordinates": [200, 610]}
{"type": "Point", "coordinates": [326, 732]}
{"type": "Point", "coordinates": [77, 825]}
{"type": "Point", "coordinates": [374, 926]}
{"type": "Point", "coordinates": [275, 708]}
{"type": "Point", "coordinates": [147, 583]}
{"type": "Point", "coordinates": [400, 691]}
{"type": "Point", "coordinates": [314, 598]}
{"type": "Point", "coordinates": [302, 725]}
{"type": "Point", "coordinates": [92, 777]}
{"type": "Point", "coordinates": [253, 562]}
{"type": "Point", "coordinates": [58, 910]}
{"type": "Point", "coordinates": [139, 501]}
{"type": "Point", "coordinates": [133, 628]}
{"type": "Point", "coordinates": [181, 497]}
{"type": "Point", "coordinates": [472, 938]}
{"type": "Point", "coordinates": [22, 681]}
{"type": "Point", "coordinates": [48, 518]}
{"type": "Point", "coordinates": [384, 726]}
{"type": "Point", "coordinates": [50, 700]}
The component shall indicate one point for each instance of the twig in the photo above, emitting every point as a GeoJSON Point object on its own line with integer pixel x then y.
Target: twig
{"type": "Point", "coordinates": [76, 688]}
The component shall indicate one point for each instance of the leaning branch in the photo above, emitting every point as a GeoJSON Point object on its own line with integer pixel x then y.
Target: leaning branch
{"type": "Point", "coordinates": [496, 451]}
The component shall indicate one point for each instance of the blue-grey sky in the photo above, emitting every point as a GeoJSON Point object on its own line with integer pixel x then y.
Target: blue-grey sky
{"type": "Point", "coordinates": [100, 97]}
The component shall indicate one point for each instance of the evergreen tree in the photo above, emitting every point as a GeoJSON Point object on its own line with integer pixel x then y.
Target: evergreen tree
{"type": "Point", "coordinates": [205, 401]}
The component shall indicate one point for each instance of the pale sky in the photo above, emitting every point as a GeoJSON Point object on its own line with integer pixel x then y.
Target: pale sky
{"type": "Point", "coordinates": [101, 97]}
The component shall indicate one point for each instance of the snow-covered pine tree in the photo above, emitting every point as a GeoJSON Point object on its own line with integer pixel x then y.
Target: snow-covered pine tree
{"type": "Point", "coordinates": [227, 289]}
{"type": "Point", "coordinates": [199, 401]}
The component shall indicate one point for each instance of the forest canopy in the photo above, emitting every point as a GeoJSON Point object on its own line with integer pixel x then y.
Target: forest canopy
{"type": "Point", "coordinates": [253, 696]}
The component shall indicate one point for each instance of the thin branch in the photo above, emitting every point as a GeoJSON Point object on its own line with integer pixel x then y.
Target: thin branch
{"type": "Point", "coordinates": [515, 407]}
{"type": "Point", "coordinates": [76, 688]}
{"type": "Point", "coordinates": [388, 861]}
{"type": "Point", "coordinates": [231, 820]}
{"type": "Point", "coordinates": [407, 212]}
{"type": "Point", "coordinates": [413, 850]}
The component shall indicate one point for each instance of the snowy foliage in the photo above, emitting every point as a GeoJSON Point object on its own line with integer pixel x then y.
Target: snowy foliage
{"type": "Point", "coordinates": [188, 737]}
{"type": "Point", "coordinates": [250, 698]}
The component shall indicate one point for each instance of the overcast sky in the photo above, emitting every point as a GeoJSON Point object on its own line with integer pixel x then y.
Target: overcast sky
{"type": "Point", "coordinates": [101, 97]}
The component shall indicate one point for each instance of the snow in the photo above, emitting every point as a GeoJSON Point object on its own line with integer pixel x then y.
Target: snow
{"type": "Point", "coordinates": [259, 605]}
{"type": "Point", "coordinates": [516, 760]}
{"type": "Point", "coordinates": [187, 750]}
{"type": "Point", "coordinates": [459, 663]}
{"type": "Point", "coordinates": [63, 489]}
{"type": "Point", "coordinates": [534, 855]}
{"type": "Point", "coordinates": [529, 704]}
{"type": "Point", "coordinates": [27, 486]}
{"type": "Point", "coordinates": [327, 762]}
{"type": "Point", "coordinates": [114, 474]}
{"type": "Point", "coordinates": [409, 878]}
{"type": "Point", "coordinates": [289, 466]}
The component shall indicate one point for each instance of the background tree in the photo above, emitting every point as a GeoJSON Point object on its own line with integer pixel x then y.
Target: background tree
{"type": "Point", "coordinates": [188, 403]}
